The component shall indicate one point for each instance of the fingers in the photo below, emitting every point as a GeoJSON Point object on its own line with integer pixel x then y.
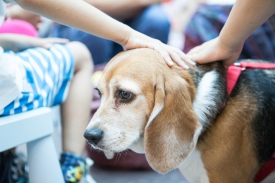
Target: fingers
{"type": "Point", "coordinates": [179, 60]}
{"type": "Point", "coordinates": [167, 58]}
{"type": "Point", "coordinates": [173, 55]}
{"type": "Point", "coordinates": [184, 57]}
{"type": "Point", "coordinates": [200, 58]}
{"type": "Point", "coordinates": [193, 53]}
{"type": "Point", "coordinates": [170, 54]}
{"type": "Point", "coordinates": [165, 55]}
{"type": "Point", "coordinates": [202, 54]}
{"type": "Point", "coordinates": [194, 50]}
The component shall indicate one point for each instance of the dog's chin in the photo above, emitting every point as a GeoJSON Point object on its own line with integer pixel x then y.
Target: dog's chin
{"type": "Point", "coordinates": [103, 148]}
{"type": "Point", "coordinates": [108, 148]}
{"type": "Point", "coordinates": [107, 145]}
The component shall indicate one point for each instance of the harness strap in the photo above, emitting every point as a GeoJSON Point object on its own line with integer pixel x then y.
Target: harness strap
{"type": "Point", "coordinates": [265, 170]}
{"type": "Point", "coordinates": [234, 71]}
{"type": "Point", "coordinates": [232, 75]}
{"type": "Point", "coordinates": [256, 65]}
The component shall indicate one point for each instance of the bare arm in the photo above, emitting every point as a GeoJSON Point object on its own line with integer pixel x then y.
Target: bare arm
{"type": "Point", "coordinates": [246, 16]}
{"type": "Point", "coordinates": [81, 15]}
{"type": "Point", "coordinates": [122, 9]}
{"type": "Point", "coordinates": [17, 42]}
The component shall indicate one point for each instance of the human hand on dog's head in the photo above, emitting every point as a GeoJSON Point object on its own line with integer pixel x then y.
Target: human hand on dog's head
{"type": "Point", "coordinates": [170, 54]}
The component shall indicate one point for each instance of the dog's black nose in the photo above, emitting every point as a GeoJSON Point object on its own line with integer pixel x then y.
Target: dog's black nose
{"type": "Point", "coordinates": [93, 135]}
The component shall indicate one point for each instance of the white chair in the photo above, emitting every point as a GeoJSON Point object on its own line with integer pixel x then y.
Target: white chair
{"type": "Point", "coordinates": [35, 129]}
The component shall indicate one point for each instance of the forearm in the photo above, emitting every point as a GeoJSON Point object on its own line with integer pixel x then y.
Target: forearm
{"type": "Point", "coordinates": [81, 15]}
{"type": "Point", "coordinates": [245, 17]}
{"type": "Point", "coordinates": [12, 41]}
{"type": "Point", "coordinates": [119, 9]}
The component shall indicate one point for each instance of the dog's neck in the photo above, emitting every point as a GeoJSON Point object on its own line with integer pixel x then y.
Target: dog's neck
{"type": "Point", "coordinates": [210, 83]}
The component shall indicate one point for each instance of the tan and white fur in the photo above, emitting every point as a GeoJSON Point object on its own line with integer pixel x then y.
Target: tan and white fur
{"type": "Point", "coordinates": [184, 118]}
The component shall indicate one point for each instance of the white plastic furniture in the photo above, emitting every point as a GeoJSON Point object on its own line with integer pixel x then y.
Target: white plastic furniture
{"type": "Point", "coordinates": [35, 129]}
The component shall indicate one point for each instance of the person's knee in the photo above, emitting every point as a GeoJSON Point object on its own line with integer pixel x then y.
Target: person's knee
{"type": "Point", "coordinates": [155, 15]}
{"type": "Point", "coordinates": [153, 22]}
{"type": "Point", "coordinates": [161, 24]}
{"type": "Point", "coordinates": [157, 27]}
{"type": "Point", "coordinates": [82, 56]}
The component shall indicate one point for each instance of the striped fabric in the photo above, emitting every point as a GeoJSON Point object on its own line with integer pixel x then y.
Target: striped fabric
{"type": "Point", "coordinates": [49, 73]}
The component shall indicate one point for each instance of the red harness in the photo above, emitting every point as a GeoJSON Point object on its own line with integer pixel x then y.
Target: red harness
{"type": "Point", "coordinates": [233, 74]}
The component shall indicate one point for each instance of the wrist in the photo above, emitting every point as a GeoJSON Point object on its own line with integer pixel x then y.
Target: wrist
{"type": "Point", "coordinates": [144, 3]}
{"type": "Point", "coordinates": [124, 35]}
{"type": "Point", "coordinates": [228, 44]}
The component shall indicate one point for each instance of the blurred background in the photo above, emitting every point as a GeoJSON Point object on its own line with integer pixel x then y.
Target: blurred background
{"type": "Point", "coordinates": [180, 23]}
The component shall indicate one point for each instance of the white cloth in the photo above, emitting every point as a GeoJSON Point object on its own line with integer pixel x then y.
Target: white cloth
{"type": "Point", "coordinates": [11, 77]}
{"type": "Point", "coordinates": [2, 9]}
{"type": "Point", "coordinates": [2, 12]}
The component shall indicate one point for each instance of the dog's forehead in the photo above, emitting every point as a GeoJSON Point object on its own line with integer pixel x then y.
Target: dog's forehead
{"type": "Point", "coordinates": [130, 65]}
{"type": "Point", "coordinates": [125, 83]}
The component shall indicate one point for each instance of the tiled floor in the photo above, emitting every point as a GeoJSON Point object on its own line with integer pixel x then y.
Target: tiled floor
{"type": "Point", "coordinates": [148, 176]}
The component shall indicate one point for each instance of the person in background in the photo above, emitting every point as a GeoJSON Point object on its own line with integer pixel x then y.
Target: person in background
{"type": "Point", "coordinates": [19, 38]}
{"type": "Point", "coordinates": [18, 13]}
{"type": "Point", "coordinates": [20, 21]}
{"type": "Point", "coordinates": [26, 68]}
{"type": "Point", "coordinates": [147, 17]}
{"type": "Point", "coordinates": [50, 74]}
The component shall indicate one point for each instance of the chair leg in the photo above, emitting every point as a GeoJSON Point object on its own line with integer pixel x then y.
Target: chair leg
{"type": "Point", "coordinates": [43, 162]}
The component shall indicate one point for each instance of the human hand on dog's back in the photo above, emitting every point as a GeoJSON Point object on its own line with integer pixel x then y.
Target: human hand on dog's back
{"type": "Point", "coordinates": [214, 50]}
{"type": "Point", "coordinates": [245, 17]}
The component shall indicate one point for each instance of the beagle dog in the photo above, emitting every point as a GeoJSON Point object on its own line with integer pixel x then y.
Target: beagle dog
{"type": "Point", "coordinates": [184, 119]}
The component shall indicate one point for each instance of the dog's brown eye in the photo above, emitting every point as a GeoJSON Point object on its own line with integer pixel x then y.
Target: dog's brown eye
{"type": "Point", "coordinates": [98, 91]}
{"type": "Point", "coordinates": [125, 94]}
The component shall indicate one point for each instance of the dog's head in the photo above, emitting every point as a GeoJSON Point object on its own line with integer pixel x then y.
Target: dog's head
{"type": "Point", "coordinates": [145, 105]}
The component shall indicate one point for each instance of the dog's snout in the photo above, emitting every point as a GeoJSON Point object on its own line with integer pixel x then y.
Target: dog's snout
{"type": "Point", "coordinates": [93, 135]}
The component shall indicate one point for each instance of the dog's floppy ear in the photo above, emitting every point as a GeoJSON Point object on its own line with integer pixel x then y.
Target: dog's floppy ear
{"type": "Point", "coordinates": [173, 128]}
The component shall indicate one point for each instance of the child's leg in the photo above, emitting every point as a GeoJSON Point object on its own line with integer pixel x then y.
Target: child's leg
{"type": "Point", "coordinates": [49, 72]}
{"type": "Point", "coordinates": [75, 110]}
